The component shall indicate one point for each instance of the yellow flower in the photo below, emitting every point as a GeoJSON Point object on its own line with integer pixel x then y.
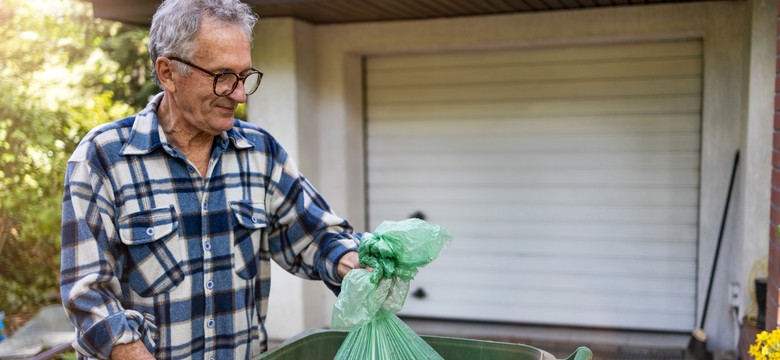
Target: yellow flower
{"type": "Point", "coordinates": [767, 346]}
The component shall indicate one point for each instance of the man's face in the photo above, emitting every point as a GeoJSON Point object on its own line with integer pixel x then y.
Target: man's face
{"type": "Point", "coordinates": [220, 47]}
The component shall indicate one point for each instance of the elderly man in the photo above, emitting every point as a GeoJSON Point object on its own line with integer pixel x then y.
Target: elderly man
{"type": "Point", "coordinates": [171, 216]}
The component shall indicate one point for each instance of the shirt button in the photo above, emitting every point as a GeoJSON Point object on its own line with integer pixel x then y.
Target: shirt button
{"type": "Point", "coordinates": [190, 169]}
{"type": "Point", "coordinates": [209, 285]}
{"type": "Point", "coordinates": [150, 231]}
{"type": "Point", "coordinates": [205, 205]}
{"type": "Point", "coordinates": [210, 323]}
{"type": "Point", "coordinates": [207, 246]}
{"type": "Point", "coordinates": [254, 219]}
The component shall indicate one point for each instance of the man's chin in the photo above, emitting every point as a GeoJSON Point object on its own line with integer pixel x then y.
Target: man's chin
{"type": "Point", "coordinates": [227, 123]}
{"type": "Point", "coordinates": [222, 124]}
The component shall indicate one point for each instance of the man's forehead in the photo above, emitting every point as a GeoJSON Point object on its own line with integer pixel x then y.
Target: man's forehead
{"type": "Point", "coordinates": [223, 47]}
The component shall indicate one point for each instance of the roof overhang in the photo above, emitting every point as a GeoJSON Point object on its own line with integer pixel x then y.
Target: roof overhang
{"type": "Point", "coordinates": [140, 12]}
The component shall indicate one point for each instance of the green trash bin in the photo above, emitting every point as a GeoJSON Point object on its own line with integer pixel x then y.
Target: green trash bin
{"type": "Point", "coordinates": [323, 345]}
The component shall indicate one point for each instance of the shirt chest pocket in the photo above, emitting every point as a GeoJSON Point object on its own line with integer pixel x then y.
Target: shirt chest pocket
{"type": "Point", "coordinates": [250, 222]}
{"type": "Point", "coordinates": [155, 249]}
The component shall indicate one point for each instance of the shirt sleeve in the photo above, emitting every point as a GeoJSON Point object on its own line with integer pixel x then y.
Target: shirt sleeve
{"type": "Point", "coordinates": [89, 283]}
{"type": "Point", "coordinates": [305, 236]}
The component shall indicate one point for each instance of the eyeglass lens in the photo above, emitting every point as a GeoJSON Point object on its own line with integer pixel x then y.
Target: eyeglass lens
{"type": "Point", "coordinates": [225, 83]}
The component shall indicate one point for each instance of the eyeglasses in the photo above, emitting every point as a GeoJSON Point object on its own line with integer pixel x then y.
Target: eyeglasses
{"type": "Point", "coordinates": [225, 82]}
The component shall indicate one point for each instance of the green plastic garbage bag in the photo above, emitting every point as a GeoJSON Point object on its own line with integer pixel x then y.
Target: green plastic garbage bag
{"type": "Point", "coordinates": [369, 299]}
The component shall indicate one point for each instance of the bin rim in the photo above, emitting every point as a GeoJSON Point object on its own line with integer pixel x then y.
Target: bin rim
{"type": "Point", "coordinates": [581, 353]}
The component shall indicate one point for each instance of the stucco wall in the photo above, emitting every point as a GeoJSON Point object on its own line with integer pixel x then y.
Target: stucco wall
{"type": "Point", "coordinates": [758, 95]}
{"type": "Point", "coordinates": [312, 95]}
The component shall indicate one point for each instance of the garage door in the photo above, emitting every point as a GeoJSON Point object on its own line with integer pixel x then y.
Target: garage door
{"type": "Point", "coordinates": [569, 177]}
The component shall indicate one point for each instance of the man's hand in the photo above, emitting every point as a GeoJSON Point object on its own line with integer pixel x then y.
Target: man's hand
{"type": "Point", "coordinates": [135, 351]}
{"type": "Point", "coordinates": [348, 262]}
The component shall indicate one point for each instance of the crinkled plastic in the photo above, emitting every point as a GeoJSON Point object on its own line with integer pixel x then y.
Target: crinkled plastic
{"type": "Point", "coordinates": [385, 337]}
{"type": "Point", "coordinates": [369, 299]}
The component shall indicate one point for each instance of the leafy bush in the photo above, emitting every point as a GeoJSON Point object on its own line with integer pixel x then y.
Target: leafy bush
{"type": "Point", "coordinates": [62, 72]}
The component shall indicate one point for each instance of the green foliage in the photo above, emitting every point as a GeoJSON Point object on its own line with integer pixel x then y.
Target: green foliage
{"type": "Point", "coordinates": [128, 48]}
{"type": "Point", "coordinates": [68, 356]}
{"type": "Point", "coordinates": [62, 72]}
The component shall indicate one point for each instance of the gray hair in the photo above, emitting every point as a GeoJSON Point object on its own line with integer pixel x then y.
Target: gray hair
{"type": "Point", "coordinates": [176, 22]}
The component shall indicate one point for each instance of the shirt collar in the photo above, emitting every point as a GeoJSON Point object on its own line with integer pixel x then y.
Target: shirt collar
{"type": "Point", "coordinates": [238, 140]}
{"type": "Point", "coordinates": [146, 134]}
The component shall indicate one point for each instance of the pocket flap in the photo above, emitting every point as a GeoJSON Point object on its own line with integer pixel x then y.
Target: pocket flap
{"type": "Point", "coordinates": [148, 225]}
{"type": "Point", "coordinates": [249, 214]}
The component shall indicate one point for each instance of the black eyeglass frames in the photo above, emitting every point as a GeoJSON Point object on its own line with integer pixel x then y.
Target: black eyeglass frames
{"type": "Point", "coordinates": [225, 82]}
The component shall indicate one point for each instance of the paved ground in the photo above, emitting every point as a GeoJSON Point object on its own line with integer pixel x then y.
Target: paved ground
{"type": "Point", "coordinates": [49, 328]}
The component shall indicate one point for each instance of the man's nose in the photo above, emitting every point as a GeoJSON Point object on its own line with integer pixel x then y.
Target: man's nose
{"type": "Point", "coordinates": [239, 93]}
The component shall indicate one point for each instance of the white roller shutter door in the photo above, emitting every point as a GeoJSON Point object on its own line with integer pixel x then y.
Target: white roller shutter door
{"type": "Point", "coordinates": [569, 177]}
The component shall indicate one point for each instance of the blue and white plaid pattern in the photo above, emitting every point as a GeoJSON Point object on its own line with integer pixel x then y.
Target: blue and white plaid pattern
{"type": "Point", "coordinates": [153, 251]}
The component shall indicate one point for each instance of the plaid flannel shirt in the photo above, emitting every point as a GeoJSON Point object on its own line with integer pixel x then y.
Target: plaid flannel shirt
{"type": "Point", "coordinates": [153, 251]}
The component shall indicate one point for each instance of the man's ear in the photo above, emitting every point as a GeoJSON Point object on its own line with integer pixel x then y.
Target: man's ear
{"type": "Point", "coordinates": [165, 74]}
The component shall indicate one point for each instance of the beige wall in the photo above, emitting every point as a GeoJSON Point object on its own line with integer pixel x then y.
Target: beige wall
{"type": "Point", "coordinates": [285, 107]}
{"type": "Point", "coordinates": [311, 100]}
{"type": "Point", "coordinates": [750, 256]}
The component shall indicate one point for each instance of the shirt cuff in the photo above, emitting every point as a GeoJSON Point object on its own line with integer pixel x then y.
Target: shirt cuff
{"type": "Point", "coordinates": [121, 328]}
